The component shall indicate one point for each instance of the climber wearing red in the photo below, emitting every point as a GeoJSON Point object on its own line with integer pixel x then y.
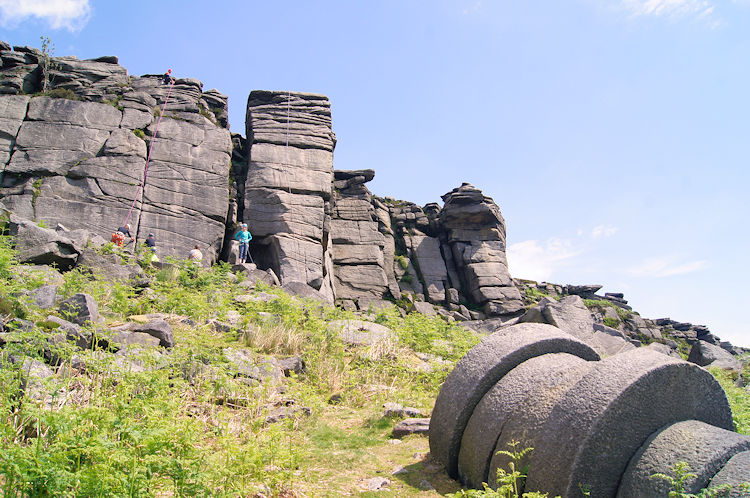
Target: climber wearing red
{"type": "Point", "coordinates": [167, 78]}
{"type": "Point", "coordinates": [118, 237]}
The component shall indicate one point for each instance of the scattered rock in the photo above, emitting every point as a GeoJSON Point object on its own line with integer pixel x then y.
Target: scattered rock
{"type": "Point", "coordinates": [80, 309]}
{"type": "Point", "coordinates": [705, 354]}
{"type": "Point", "coordinates": [397, 410]}
{"type": "Point", "coordinates": [360, 333]}
{"type": "Point", "coordinates": [45, 296]}
{"type": "Point", "coordinates": [293, 364]}
{"type": "Point", "coordinates": [159, 329]}
{"type": "Point", "coordinates": [412, 426]}
{"type": "Point", "coordinates": [245, 364]}
{"type": "Point", "coordinates": [376, 483]}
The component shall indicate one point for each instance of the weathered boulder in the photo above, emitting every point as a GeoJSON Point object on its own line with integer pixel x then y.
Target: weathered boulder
{"type": "Point", "coordinates": [41, 245]}
{"type": "Point", "coordinates": [45, 296]}
{"type": "Point", "coordinates": [109, 266]}
{"type": "Point", "coordinates": [705, 354]}
{"type": "Point", "coordinates": [479, 370]}
{"type": "Point", "coordinates": [67, 331]}
{"type": "Point", "coordinates": [571, 315]}
{"type": "Point", "coordinates": [159, 329]}
{"type": "Point", "coordinates": [245, 364]}
{"type": "Point", "coordinates": [303, 290]}
{"type": "Point", "coordinates": [80, 309]}
{"type": "Point", "coordinates": [292, 365]}
{"type": "Point", "coordinates": [663, 349]}
{"type": "Point", "coordinates": [703, 447]}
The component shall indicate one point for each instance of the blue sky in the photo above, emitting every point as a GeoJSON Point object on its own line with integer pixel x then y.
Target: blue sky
{"type": "Point", "coordinates": [613, 134]}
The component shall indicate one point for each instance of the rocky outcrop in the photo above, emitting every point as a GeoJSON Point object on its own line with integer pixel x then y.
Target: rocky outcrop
{"type": "Point", "coordinates": [475, 233]}
{"type": "Point", "coordinates": [79, 159]}
{"type": "Point", "coordinates": [287, 192]}
{"type": "Point", "coordinates": [357, 244]}
{"type": "Point", "coordinates": [75, 155]}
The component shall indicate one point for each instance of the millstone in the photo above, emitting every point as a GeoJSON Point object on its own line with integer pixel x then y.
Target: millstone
{"type": "Point", "coordinates": [479, 370]}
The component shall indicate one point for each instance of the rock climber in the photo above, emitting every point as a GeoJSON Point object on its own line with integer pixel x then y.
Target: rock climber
{"type": "Point", "coordinates": [151, 242]}
{"type": "Point", "coordinates": [244, 237]}
{"type": "Point", "coordinates": [195, 254]}
{"type": "Point", "coordinates": [118, 237]}
{"type": "Point", "coordinates": [167, 78]}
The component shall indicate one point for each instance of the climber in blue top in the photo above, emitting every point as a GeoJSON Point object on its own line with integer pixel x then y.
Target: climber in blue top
{"type": "Point", "coordinates": [244, 237]}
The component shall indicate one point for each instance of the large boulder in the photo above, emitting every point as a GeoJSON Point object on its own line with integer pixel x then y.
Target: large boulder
{"type": "Point", "coordinates": [159, 329]}
{"type": "Point", "coordinates": [571, 315]}
{"type": "Point", "coordinates": [80, 309]}
{"type": "Point", "coordinates": [708, 355]}
{"type": "Point", "coordinates": [43, 246]}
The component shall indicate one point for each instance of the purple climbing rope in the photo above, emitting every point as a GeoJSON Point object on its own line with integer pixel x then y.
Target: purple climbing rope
{"type": "Point", "coordinates": [148, 157]}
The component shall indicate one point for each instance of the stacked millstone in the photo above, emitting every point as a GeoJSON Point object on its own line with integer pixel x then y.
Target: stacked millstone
{"type": "Point", "coordinates": [474, 230]}
{"type": "Point", "coordinates": [80, 162]}
{"type": "Point", "coordinates": [606, 425]}
{"type": "Point", "coordinates": [288, 186]}
{"type": "Point", "coordinates": [357, 243]}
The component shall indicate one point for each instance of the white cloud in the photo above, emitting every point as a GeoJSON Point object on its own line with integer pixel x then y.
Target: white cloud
{"type": "Point", "coordinates": [69, 14]}
{"type": "Point", "coordinates": [668, 8]}
{"type": "Point", "coordinates": [665, 267]}
{"type": "Point", "coordinates": [473, 8]}
{"type": "Point", "coordinates": [603, 231]}
{"type": "Point", "coordinates": [535, 261]}
{"type": "Point", "coordinates": [674, 10]}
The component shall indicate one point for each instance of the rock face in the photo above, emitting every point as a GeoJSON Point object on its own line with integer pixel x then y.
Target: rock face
{"type": "Point", "coordinates": [80, 160]}
{"type": "Point", "coordinates": [101, 147]}
{"type": "Point", "coordinates": [608, 424]}
{"type": "Point", "coordinates": [475, 232]}
{"type": "Point", "coordinates": [357, 244]}
{"type": "Point", "coordinates": [287, 192]}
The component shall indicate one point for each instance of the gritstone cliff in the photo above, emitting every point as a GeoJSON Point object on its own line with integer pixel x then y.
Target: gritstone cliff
{"type": "Point", "coordinates": [75, 154]}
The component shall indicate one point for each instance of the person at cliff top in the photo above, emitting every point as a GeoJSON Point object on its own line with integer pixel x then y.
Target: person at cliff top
{"type": "Point", "coordinates": [244, 237]}
{"type": "Point", "coordinates": [167, 78]}
{"type": "Point", "coordinates": [118, 237]}
{"type": "Point", "coordinates": [151, 242]}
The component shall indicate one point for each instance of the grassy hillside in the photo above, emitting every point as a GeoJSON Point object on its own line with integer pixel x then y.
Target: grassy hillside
{"type": "Point", "coordinates": [182, 422]}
